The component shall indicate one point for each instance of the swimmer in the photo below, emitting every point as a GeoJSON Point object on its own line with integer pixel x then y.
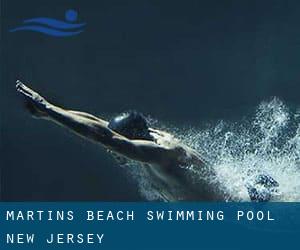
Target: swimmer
{"type": "Point", "coordinates": [129, 136]}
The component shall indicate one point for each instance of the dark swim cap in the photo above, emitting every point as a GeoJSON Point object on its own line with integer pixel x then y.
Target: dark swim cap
{"type": "Point", "coordinates": [132, 125]}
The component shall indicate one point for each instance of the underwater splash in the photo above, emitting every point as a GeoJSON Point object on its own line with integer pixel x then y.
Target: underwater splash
{"type": "Point", "coordinates": [266, 143]}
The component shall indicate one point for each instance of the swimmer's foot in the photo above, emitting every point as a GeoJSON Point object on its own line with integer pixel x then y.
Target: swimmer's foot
{"type": "Point", "coordinates": [263, 188]}
{"type": "Point", "coordinates": [34, 103]}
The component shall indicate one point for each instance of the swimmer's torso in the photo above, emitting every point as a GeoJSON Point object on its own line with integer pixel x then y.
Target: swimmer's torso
{"type": "Point", "coordinates": [180, 183]}
{"type": "Point", "coordinates": [177, 179]}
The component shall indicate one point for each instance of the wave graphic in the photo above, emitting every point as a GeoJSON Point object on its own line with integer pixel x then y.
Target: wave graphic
{"type": "Point", "coordinates": [53, 23]}
{"type": "Point", "coordinates": [53, 27]}
{"type": "Point", "coordinates": [268, 141]}
{"type": "Point", "coordinates": [48, 31]}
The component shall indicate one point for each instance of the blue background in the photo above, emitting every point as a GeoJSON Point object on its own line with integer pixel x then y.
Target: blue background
{"type": "Point", "coordinates": [282, 233]}
{"type": "Point", "coordinates": [182, 62]}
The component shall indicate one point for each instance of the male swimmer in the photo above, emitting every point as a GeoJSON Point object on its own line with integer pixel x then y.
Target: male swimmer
{"type": "Point", "coordinates": [166, 159]}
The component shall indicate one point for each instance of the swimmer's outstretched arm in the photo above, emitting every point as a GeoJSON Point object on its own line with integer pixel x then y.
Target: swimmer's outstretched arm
{"type": "Point", "coordinates": [95, 129]}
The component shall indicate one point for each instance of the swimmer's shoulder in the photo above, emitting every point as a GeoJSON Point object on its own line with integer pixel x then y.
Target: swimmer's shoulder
{"type": "Point", "coordinates": [185, 155]}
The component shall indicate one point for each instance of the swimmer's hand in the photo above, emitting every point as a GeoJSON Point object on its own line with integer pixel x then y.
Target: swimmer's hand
{"type": "Point", "coordinates": [35, 103]}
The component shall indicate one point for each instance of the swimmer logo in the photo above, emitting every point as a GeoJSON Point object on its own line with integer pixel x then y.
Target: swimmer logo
{"type": "Point", "coordinates": [53, 27]}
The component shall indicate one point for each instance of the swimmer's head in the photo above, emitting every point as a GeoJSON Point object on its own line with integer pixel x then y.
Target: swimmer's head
{"type": "Point", "coordinates": [132, 125]}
